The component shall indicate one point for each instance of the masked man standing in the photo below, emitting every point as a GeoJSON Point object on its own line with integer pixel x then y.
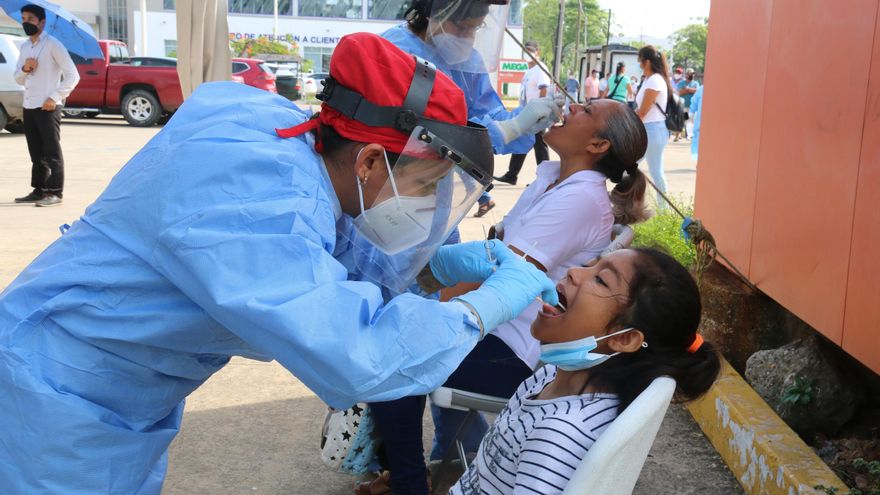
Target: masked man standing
{"type": "Point", "coordinates": [48, 75]}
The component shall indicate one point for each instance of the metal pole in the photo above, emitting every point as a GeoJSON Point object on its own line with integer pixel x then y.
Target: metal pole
{"type": "Point", "coordinates": [577, 38]}
{"type": "Point", "coordinates": [275, 26]}
{"type": "Point", "coordinates": [538, 63]}
{"type": "Point", "coordinates": [143, 28]}
{"type": "Point", "coordinates": [557, 58]}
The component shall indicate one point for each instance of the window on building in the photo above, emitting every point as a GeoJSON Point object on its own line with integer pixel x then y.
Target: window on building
{"type": "Point", "coordinates": [265, 7]}
{"type": "Point", "coordinates": [117, 20]}
{"type": "Point", "coordinates": [168, 4]}
{"type": "Point", "coordinates": [516, 13]}
{"type": "Point", "coordinates": [320, 57]}
{"type": "Point", "coordinates": [387, 9]}
{"type": "Point", "coordinates": [171, 48]}
{"type": "Point", "coordinates": [348, 9]}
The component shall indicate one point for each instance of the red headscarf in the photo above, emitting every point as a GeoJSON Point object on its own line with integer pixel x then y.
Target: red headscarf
{"type": "Point", "coordinates": [381, 73]}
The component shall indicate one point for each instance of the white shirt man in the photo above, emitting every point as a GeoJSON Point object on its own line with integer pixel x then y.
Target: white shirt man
{"type": "Point", "coordinates": [48, 75]}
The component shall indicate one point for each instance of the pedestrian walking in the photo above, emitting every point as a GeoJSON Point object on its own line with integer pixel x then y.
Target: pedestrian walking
{"type": "Point", "coordinates": [633, 89]}
{"type": "Point", "coordinates": [571, 86]}
{"type": "Point", "coordinates": [535, 85]}
{"type": "Point", "coordinates": [619, 85]}
{"type": "Point", "coordinates": [687, 91]}
{"type": "Point", "coordinates": [651, 100]}
{"type": "Point", "coordinates": [48, 75]}
{"type": "Point", "coordinates": [591, 86]}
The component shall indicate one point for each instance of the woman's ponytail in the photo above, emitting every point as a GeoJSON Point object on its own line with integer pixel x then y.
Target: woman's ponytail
{"type": "Point", "coordinates": [628, 198]}
{"type": "Point", "coordinates": [629, 141]}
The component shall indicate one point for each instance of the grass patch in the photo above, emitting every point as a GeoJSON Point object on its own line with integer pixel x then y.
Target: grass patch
{"type": "Point", "coordinates": [663, 232]}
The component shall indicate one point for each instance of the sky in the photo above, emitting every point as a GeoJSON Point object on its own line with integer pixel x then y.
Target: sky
{"type": "Point", "coordinates": [656, 18]}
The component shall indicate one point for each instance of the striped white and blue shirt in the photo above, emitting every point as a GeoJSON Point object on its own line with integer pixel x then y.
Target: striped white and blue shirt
{"type": "Point", "coordinates": [536, 445]}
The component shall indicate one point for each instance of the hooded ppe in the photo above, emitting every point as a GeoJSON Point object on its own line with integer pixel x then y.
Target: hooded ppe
{"type": "Point", "coordinates": [484, 106]}
{"type": "Point", "coordinates": [215, 240]}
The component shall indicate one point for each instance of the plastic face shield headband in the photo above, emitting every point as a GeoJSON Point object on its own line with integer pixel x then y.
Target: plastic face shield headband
{"type": "Point", "coordinates": [468, 34]}
{"type": "Point", "coordinates": [575, 355]}
{"type": "Point", "coordinates": [430, 189]}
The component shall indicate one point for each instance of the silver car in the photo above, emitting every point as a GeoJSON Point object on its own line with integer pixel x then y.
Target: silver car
{"type": "Point", "coordinates": [11, 93]}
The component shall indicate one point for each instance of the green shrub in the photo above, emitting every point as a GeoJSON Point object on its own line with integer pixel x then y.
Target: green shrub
{"type": "Point", "coordinates": [663, 232]}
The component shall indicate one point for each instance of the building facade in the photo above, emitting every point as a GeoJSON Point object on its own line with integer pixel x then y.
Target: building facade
{"type": "Point", "coordinates": [314, 25]}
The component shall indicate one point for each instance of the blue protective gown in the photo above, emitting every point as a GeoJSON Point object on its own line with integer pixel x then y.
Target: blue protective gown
{"type": "Point", "coordinates": [483, 103]}
{"type": "Point", "coordinates": [215, 240]}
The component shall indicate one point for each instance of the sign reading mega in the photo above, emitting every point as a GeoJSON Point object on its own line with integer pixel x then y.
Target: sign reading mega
{"type": "Point", "coordinates": [513, 65]}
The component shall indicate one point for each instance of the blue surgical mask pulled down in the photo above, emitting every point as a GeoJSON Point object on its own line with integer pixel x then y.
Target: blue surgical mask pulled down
{"type": "Point", "coordinates": [575, 355]}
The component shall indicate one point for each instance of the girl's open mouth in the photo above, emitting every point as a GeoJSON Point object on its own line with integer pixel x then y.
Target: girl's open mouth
{"type": "Point", "coordinates": [549, 311]}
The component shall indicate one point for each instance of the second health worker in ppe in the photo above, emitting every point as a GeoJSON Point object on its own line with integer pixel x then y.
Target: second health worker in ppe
{"type": "Point", "coordinates": [220, 238]}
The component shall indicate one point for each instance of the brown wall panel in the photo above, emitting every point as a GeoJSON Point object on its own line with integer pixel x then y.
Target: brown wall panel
{"type": "Point", "coordinates": [730, 135]}
{"type": "Point", "coordinates": [809, 155]}
{"type": "Point", "coordinates": [861, 329]}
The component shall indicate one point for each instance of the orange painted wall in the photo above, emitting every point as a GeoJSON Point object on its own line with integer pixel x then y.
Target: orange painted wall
{"type": "Point", "coordinates": [790, 158]}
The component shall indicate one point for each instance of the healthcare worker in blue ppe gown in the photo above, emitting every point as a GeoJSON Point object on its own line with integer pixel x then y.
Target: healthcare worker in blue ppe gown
{"type": "Point", "coordinates": [222, 237]}
{"type": "Point", "coordinates": [463, 38]}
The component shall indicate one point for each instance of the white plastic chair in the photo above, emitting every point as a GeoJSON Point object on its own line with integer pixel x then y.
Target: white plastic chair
{"type": "Point", "coordinates": [613, 464]}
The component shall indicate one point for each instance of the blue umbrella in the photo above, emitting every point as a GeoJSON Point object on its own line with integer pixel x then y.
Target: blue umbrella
{"type": "Point", "coordinates": [72, 32]}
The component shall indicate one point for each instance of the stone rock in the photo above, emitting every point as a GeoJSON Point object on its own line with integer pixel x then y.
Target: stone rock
{"type": "Point", "coordinates": [740, 322]}
{"type": "Point", "coordinates": [832, 399]}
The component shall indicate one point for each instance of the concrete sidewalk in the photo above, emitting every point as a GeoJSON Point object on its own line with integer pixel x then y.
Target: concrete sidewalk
{"type": "Point", "coordinates": [253, 428]}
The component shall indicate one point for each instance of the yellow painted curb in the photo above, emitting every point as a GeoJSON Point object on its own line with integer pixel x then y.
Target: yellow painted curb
{"type": "Point", "coordinates": [764, 454]}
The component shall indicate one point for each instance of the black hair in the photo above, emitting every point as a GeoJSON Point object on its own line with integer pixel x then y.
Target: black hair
{"type": "Point", "coordinates": [38, 11]}
{"type": "Point", "coordinates": [664, 304]}
{"type": "Point", "coordinates": [620, 67]}
{"type": "Point", "coordinates": [420, 10]}
{"type": "Point", "coordinates": [629, 141]}
{"type": "Point", "coordinates": [658, 64]}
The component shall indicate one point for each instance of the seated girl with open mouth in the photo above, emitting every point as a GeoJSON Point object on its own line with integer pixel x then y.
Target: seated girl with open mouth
{"type": "Point", "coordinates": [631, 316]}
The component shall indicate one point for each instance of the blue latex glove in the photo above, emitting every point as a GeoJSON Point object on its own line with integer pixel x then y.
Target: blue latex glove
{"type": "Point", "coordinates": [509, 290]}
{"type": "Point", "coordinates": [466, 262]}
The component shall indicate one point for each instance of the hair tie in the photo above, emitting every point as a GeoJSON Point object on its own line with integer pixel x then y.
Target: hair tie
{"type": "Point", "coordinates": [632, 169]}
{"type": "Point", "coordinates": [696, 344]}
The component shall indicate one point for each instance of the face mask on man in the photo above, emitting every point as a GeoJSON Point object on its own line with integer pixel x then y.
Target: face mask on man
{"type": "Point", "coordinates": [30, 29]}
{"type": "Point", "coordinates": [397, 223]}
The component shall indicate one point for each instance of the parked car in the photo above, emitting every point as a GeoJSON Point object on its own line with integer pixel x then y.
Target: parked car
{"type": "Point", "coordinates": [11, 93]}
{"type": "Point", "coordinates": [255, 73]}
{"type": "Point", "coordinates": [314, 83]}
{"type": "Point", "coordinates": [143, 93]}
{"type": "Point", "coordinates": [287, 80]}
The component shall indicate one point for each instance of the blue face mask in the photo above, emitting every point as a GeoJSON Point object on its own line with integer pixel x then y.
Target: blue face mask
{"type": "Point", "coordinates": [575, 355]}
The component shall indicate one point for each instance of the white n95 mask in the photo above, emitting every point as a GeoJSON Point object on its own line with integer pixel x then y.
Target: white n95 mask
{"type": "Point", "coordinates": [399, 222]}
{"type": "Point", "coordinates": [453, 49]}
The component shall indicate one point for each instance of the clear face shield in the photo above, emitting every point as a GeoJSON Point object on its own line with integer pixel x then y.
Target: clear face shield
{"type": "Point", "coordinates": [467, 34]}
{"type": "Point", "coordinates": [429, 190]}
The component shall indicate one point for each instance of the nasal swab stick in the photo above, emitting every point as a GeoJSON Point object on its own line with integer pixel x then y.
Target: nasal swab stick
{"type": "Point", "coordinates": [488, 247]}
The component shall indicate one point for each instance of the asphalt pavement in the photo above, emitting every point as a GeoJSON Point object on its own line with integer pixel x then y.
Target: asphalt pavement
{"type": "Point", "coordinates": [253, 427]}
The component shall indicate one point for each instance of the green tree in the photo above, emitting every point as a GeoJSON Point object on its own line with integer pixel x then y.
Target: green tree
{"type": "Point", "coordinates": [262, 45]}
{"type": "Point", "coordinates": [540, 19]}
{"type": "Point", "coordinates": [689, 49]}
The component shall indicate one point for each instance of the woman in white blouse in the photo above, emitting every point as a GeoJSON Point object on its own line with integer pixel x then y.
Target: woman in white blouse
{"type": "Point", "coordinates": [651, 107]}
